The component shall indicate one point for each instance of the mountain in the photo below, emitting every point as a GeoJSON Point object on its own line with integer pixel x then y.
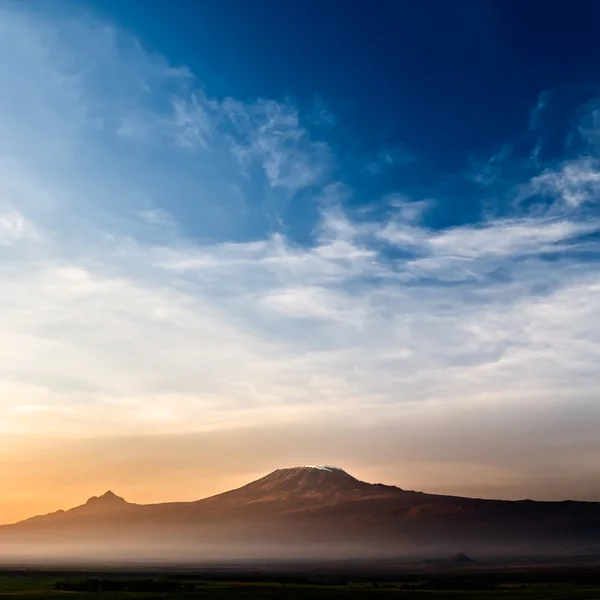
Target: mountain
{"type": "Point", "coordinates": [295, 487]}
{"type": "Point", "coordinates": [321, 481]}
{"type": "Point", "coordinates": [319, 509]}
{"type": "Point", "coordinates": [106, 501]}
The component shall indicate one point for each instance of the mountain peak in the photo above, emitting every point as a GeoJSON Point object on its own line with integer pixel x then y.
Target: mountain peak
{"type": "Point", "coordinates": [329, 468]}
{"type": "Point", "coordinates": [107, 499]}
{"type": "Point", "coordinates": [307, 479]}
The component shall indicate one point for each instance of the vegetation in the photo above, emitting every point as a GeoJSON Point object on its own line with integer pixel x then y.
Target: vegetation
{"type": "Point", "coordinates": [76, 586]}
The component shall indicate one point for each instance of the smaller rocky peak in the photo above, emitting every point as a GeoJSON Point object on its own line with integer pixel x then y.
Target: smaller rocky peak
{"type": "Point", "coordinates": [107, 499]}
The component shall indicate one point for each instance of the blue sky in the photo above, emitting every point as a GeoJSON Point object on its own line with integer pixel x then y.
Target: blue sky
{"type": "Point", "coordinates": [304, 221]}
{"type": "Point", "coordinates": [422, 74]}
{"type": "Point", "coordinates": [431, 86]}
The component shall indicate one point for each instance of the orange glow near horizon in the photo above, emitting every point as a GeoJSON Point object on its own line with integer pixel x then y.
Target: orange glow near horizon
{"type": "Point", "coordinates": [42, 476]}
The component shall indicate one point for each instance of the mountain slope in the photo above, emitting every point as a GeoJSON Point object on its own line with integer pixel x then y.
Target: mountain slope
{"type": "Point", "coordinates": [293, 488]}
{"type": "Point", "coordinates": [107, 503]}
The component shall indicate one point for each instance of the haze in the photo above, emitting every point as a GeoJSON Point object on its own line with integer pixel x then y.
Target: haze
{"type": "Point", "coordinates": [233, 239]}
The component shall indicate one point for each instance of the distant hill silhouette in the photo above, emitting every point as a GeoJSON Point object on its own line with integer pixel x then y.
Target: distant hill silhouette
{"type": "Point", "coordinates": [319, 507]}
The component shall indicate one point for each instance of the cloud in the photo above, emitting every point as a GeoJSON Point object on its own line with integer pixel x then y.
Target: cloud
{"type": "Point", "coordinates": [270, 134]}
{"type": "Point", "coordinates": [574, 183]}
{"type": "Point", "coordinates": [13, 228]}
{"type": "Point", "coordinates": [142, 292]}
{"type": "Point", "coordinates": [185, 124]}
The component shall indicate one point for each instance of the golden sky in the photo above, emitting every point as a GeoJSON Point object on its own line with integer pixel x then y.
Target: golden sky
{"type": "Point", "coordinates": [430, 453]}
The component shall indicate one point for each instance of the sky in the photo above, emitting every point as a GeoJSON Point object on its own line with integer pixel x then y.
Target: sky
{"type": "Point", "coordinates": [237, 235]}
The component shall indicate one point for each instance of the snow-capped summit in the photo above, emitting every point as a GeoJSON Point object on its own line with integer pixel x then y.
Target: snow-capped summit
{"type": "Point", "coordinates": [318, 467]}
{"type": "Point", "coordinates": [307, 480]}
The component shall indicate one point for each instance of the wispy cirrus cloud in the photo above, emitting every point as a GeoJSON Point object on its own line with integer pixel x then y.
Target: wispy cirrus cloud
{"type": "Point", "coordinates": [270, 135]}
{"type": "Point", "coordinates": [574, 183]}
{"type": "Point", "coordinates": [186, 123]}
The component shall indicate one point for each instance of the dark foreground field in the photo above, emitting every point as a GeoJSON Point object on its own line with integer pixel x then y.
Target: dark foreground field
{"type": "Point", "coordinates": [492, 582]}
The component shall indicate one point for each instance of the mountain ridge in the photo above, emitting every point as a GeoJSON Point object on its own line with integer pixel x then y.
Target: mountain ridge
{"type": "Point", "coordinates": [319, 505]}
{"type": "Point", "coordinates": [109, 498]}
{"type": "Point", "coordinates": [295, 481]}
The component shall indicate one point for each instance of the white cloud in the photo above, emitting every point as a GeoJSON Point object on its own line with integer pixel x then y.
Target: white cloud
{"type": "Point", "coordinates": [13, 228]}
{"type": "Point", "coordinates": [270, 134]}
{"type": "Point", "coordinates": [574, 183]}
{"type": "Point", "coordinates": [185, 123]}
{"type": "Point", "coordinates": [512, 238]}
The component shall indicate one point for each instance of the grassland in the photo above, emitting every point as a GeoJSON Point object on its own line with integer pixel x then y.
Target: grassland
{"type": "Point", "coordinates": [29, 585]}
